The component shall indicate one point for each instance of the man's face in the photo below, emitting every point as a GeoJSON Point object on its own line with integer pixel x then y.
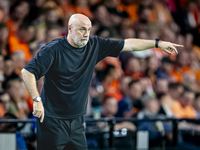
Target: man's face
{"type": "Point", "coordinates": [8, 67]}
{"type": "Point", "coordinates": [135, 91]}
{"type": "Point", "coordinates": [25, 35]}
{"type": "Point", "coordinates": [52, 16]}
{"type": "Point", "coordinates": [15, 90]}
{"type": "Point", "coordinates": [52, 34]}
{"type": "Point", "coordinates": [124, 84]}
{"type": "Point", "coordinates": [176, 92]}
{"type": "Point", "coordinates": [152, 106]}
{"type": "Point", "coordinates": [18, 59]}
{"type": "Point", "coordinates": [21, 11]}
{"type": "Point", "coordinates": [187, 99]}
{"type": "Point", "coordinates": [183, 59]}
{"type": "Point", "coordinates": [153, 63]}
{"type": "Point", "coordinates": [80, 32]}
{"type": "Point", "coordinates": [133, 66]}
{"type": "Point", "coordinates": [3, 34]}
{"type": "Point", "coordinates": [110, 107]}
{"type": "Point", "coordinates": [5, 101]}
{"type": "Point", "coordinates": [168, 67]}
{"type": "Point", "coordinates": [161, 86]}
{"type": "Point", "coordinates": [30, 32]}
{"type": "Point", "coordinates": [4, 5]}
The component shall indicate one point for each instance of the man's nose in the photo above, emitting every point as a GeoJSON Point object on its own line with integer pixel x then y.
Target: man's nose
{"type": "Point", "coordinates": [87, 34]}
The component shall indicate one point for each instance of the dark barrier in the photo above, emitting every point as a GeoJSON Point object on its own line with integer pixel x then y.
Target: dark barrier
{"type": "Point", "coordinates": [113, 121]}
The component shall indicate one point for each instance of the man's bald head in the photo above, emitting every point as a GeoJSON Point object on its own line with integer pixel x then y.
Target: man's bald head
{"type": "Point", "coordinates": [77, 19]}
{"type": "Point", "coordinates": [78, 30]}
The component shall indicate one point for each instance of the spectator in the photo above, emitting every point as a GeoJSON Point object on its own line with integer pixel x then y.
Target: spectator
{"type": "Point", "coordinates": [145, 17]}
{"type": "Point", "coordinates": [184, 107]}
{"type": "Point", "coordinates": [188, 42]}
{"type": "Point", "coordinates": [175, 90]}
{"type": "Point", "coordinates": [189, 80]}
{"type": "Point", "coordinates": [82, 7]}
{"type": "Point", "coordinates": [147, 86]}
{"type": "Point", "coordinates": [162, 12]}
{"type": "Point", "coordinates": [192, 13]}
{"type": "Point", "coordinates": [124, 85]}
{"type": "Point", "coordinates": [51, 17]}
{"type": "Point", "coordinates": [106, 76]}
{"type": "Point", "coordinates": [166, 101]}
{"type": "Point", "coordinates": [18, 42]}
{"type": "Point", "coordinates": [18, 11]}
{"type": "Point", "coordinates": [134, 92]}
{"type": "Point", "coordinates": [161, 86]}
{"type": "Point", "coordinates": [151, 107]}
{"type": "Point", "coordinates": [18, 58]}
{"type": "Point", "coordinates": [101, 15]}
{"type": "Point", "coordinates": [9, 70]}
{"type": "Point", "coordinates": [106, 80]}
{"type": "Point", "coordinates": [52, 33]}
{"type": "Point", "coordinates": [133, 68]}
{"type": "Point", "coordinates": [166, 104]}
{"type": "Point", "coordinates": [4, 6]}
{"type": "Point", "coordinates": [183, 66]}
{"type": "Point", "coordinates": [3, 38]}
{"type": "Point", "coordinates": [182, 63]}
{"type": "Point", "coordinates": [156, 129]}
{"type": "Point", "coordinates": [5, 101]}
{"type": "Point", "coordinates": [53, 5]}
{"type": "Point", "coordinates": [167, 71]}
{"type": "Point", "coordinates": [110, 108]}
{"type": "Point", "coordinates": [18, 105]}
{"type": "Point", "coordinates": [152, 66]}
{"type": "Point", "coordinates": [168, 34]}
{"type": "Point", "coordinates": [124, 57]}
{"type": "Point", "coordinates": [66, 6]}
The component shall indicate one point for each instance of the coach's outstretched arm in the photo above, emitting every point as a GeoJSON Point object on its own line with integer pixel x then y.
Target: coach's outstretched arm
{"type": "Point", "coordinates": [30, 83]}
{"type": "Point", "coordinates": [140, 44]}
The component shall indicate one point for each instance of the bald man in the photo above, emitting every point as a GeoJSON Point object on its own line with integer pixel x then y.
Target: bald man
{"type": "Point", "coordinates": [67, 65]}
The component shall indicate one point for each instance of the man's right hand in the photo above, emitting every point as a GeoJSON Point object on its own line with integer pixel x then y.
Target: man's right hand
{"type": "Point", "coordinates": [38, 110]}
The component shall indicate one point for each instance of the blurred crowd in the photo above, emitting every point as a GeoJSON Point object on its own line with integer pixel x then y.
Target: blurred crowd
{"type": "Point", "coordinates": [146, 84]}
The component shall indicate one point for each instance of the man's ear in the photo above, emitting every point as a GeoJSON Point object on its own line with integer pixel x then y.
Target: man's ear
{"type": "Point", "coordinates": [70, 28]}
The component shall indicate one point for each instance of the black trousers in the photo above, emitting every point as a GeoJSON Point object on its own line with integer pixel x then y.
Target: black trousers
{"type": "Point", "coordinates": [61, 134]}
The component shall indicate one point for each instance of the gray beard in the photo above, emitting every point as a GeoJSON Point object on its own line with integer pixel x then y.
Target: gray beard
{"type": "Point", "coordinates": [78, 42]}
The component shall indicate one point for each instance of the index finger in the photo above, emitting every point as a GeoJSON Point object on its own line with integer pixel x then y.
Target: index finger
{"type": "Point", "coordinates": [167, 51]}
{"type": "Point", "coordinates": [177, 45]}
{"type": "Point", "coordinates": [42, 117]}
{"type": "Point", "coordinates": [174, 48]}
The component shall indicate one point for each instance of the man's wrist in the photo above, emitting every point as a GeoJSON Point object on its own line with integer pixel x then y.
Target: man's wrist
{"type": "Point", "coordinates": [156, 42]}
{"type": "Point", "coordinates": [37, 99]}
